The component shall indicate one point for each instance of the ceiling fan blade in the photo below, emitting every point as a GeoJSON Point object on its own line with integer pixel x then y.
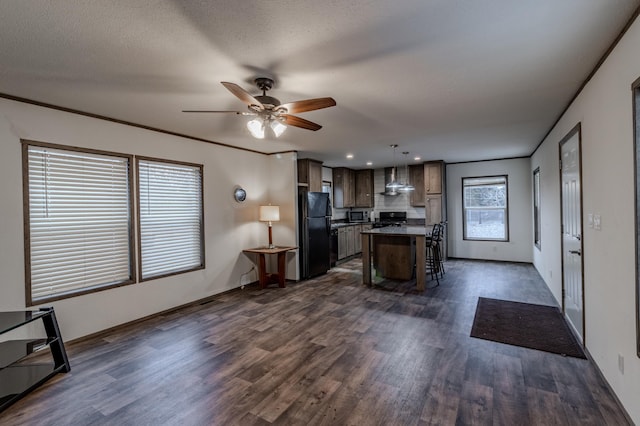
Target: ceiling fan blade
{"type": "Point", "coordinates": [243, 95]}
{"type": "Point", "coordinates": [308, 105]}
{"type": "Point", "coordinates": [222, 112]}
{"type": "Point", "coordinates": [292, 120]}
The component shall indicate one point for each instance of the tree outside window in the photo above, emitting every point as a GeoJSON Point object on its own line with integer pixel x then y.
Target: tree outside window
{"type": "Point", "coordinates": [485, 208]}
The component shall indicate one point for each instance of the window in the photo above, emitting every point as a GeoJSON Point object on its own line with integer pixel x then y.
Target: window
{"type": "Point", "coordinates": [170, 217]}
{"type": "Point", "coordinates": [326, 187]}
{"type": "Point", "coordinates": [485, 208]}
{"type": "Point", "coordinates": [78, 236]}
{"type": "Point", "coordinates": [536, 207]}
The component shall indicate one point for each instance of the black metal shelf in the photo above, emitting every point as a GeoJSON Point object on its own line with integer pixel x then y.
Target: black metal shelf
{"type": "Point", "coordinates": [13, 350]}
{"type": "Point", "coordinates": [19, 378]}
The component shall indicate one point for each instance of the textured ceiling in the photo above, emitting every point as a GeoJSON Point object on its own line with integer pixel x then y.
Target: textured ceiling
{"type": "Point", "coordinates": [457, 80]}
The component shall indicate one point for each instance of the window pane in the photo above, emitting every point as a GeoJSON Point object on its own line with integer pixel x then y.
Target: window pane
{"type": "Point", "coordinates": [79, 222]}
{"type": "Point", "coordinates": [494, 195]}
{"type": "Point", "coordinates": [170, 204]}
{"type": "Point", "coordinates": [485, 208]}
{"type": "Point", "coordinates": [486, 224]}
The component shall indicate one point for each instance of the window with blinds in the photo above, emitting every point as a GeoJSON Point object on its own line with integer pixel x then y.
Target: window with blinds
{"type": "Point", "coordinates": [78, 221]}
{"type": "Point", "coordinates": [170, 217]}
{"type": "Point", "coordinates": [485, 208]}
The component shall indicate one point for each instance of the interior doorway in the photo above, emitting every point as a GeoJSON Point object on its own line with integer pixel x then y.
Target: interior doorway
{"type": "Point", "coordinates": [571, 205]}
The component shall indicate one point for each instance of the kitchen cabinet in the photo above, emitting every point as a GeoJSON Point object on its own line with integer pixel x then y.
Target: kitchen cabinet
{"type": "Point", "coordinates": [351, 247]}
{"type": "Point", "coordinates": [352, 188]}
{"type": "Point", "coordinates": [343, 188]}
{"type": "Point", "coordinates": [433, 209]}
{"type": "Point", "coordinates": [357, 240]}
{"type": "Point", "coordinates": [342, 242]}
{"type": "Point", "coordinates": [18, 378]}
{"type": "Point", "coordinates": [416, 178]}
{"type": "Point", "coordinates": [433, 174]}
{"type": "Point", "coordinates": [364, 188]}
{"type": "Point", "coordinates": [350, 240]}
{"type": "Point", "coordinates": [310, 173]}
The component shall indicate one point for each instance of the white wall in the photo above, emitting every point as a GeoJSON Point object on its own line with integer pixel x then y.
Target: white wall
{"type": "Point", "coordinates": [518, 248]}
{"type": "Point", "coordinates": [229, 226]}
{"type": "Point", "coordinates": [604, 109]}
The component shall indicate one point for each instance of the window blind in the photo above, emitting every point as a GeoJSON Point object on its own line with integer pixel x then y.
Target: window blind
{"type": "Point", "coordinates": [170, 211]}
{"type": "Point", "coordinates": [79, 222]}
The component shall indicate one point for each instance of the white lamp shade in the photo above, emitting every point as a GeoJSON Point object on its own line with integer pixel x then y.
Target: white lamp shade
{"type": "Point", "coordinates": [256, 128]}
{"type": "Point", "coordinates": [269, 213]}
{"type": "Point", "coordinates": [278, 128]}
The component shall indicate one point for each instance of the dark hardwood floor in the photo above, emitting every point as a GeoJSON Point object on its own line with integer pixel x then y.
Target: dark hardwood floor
{"type": "Point", "coordinates": [328, 351]}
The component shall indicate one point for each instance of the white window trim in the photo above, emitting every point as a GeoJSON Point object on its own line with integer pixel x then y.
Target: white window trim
{"type": "Point", "coordinates": [505, 208]}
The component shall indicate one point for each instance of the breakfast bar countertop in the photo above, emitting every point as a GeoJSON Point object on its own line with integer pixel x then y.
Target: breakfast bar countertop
{"type": "Point", "coordinates": [408, 231]}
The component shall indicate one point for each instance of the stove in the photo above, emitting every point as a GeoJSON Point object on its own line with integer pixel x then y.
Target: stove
{"type": "Point", "coordinates": [391, 219]}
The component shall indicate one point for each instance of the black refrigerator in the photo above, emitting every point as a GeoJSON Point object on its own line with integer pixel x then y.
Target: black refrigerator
{"type": "Point", "coordinates": [315, 233]}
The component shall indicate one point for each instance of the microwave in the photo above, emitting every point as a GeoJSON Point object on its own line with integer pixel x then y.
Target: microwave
{"type": "Point", "coordinates": [361, 216]}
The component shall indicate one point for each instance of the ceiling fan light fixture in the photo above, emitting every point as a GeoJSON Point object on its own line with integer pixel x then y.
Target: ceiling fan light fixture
{"type": "Point", "coordinates": [277, 127]}
{"type": "Point", "coordinates": [271, 113]}
{"type": "Point", "coordinates": [256, 128]}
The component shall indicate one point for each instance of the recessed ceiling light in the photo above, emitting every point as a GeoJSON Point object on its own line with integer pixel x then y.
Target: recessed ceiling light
{"type": "Point", "coordinates": [350, 156]}
{"type": "Point", "coordinates": [417, 158]}
{"type": "Point", "coordinates": [369, 163]}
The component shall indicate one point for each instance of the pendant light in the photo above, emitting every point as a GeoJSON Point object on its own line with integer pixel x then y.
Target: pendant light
{"type": "Point", "coordinates": [393, 184]}
{"type": "Point", "coordinates": [406, 186]}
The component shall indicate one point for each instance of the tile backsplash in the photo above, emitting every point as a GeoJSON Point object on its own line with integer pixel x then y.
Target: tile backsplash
{"type": "Point", "coordinates": [385, 202]}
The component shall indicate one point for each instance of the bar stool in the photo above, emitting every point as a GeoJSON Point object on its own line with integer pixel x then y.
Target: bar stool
{"type": "Point", "coordinates": [434, 259]}
{"type": "Point", "coordinates": [440, 256]}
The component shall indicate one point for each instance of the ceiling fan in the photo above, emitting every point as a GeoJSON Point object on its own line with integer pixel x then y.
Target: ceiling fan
{"type": "Point", "coordinates": [269, 112]}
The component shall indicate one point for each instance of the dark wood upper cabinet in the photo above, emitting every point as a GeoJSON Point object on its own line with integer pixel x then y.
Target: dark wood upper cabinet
{"type": "Point", "coordinates": [364, 188]}
{"type": "Point", "coordinates": [343, 188]}
{"type": "Point", "coordinates": [310, 173]}
{"type": "Point", "coordinates": [416, 178]}
{"type": "Point", "coordinates": [433, 177]}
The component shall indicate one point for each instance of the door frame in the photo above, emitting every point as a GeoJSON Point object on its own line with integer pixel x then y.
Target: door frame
{"type": "Point", "coordinates": [635, 91]}
{"type": "Point", "coordinates": [576, 129]}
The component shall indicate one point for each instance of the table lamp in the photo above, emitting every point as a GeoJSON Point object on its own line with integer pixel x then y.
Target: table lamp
{"type": "Point", "coordinates": [270, 214]}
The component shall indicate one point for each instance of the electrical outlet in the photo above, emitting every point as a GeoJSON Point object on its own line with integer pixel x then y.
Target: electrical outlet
{"type": "Point", "coordinates": [621, 363]}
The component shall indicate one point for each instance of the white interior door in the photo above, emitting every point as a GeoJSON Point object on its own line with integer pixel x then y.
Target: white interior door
{"type": "Point", "coordinates": [572, 284]}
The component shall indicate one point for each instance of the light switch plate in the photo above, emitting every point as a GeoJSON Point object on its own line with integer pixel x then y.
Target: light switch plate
{"type": "Point", "coordinates": [590, 220]}
{"type": "Point", "coordinates": [596, 222]}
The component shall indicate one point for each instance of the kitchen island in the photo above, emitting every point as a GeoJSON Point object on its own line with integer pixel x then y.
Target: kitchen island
{"type": "Point", "coordinates": [393, 252]}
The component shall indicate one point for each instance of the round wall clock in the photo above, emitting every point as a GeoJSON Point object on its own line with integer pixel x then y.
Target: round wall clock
{"type": "Point", "coordinates": [239, 194]}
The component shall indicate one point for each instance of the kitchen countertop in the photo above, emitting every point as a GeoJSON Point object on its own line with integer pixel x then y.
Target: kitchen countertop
{"type": "Point", "coordinates": [343, 224]}
{"type": "Point", "coordinates": [406, 231]}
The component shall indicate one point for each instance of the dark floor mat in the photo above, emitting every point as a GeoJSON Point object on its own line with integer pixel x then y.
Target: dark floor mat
{"type": "Point", "coordinates": [523, 324]}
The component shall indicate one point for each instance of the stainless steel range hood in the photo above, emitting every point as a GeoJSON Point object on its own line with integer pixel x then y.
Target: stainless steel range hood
{"type": "Point", "coordinates": [390, 175]}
